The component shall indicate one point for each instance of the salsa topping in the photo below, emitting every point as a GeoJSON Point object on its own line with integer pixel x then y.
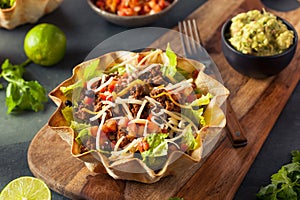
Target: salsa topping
{"type": "Point", "coordinates": [132, 7]}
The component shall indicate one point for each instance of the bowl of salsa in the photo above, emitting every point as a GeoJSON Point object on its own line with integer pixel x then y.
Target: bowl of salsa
{"type": "Point", "coordinates": [132, 13]}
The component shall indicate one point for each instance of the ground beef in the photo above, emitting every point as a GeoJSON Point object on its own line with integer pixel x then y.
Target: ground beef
{"type": "Point", "coordinates": [128, 138]}
{"type": "Point", "coordinates": [97, 104]}
{"type": "Point", "coordinates": [81, 115]}
{"type": "Point", "coordinates": [165, 101]}
{"type": "Point", "coordinates": [154, 77]}
{"type": "Point", "coordinates": [139, 91]}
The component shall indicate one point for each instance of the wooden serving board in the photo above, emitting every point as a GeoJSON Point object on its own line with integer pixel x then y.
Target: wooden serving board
{"type": "Point", "coordinates": [257, 103]}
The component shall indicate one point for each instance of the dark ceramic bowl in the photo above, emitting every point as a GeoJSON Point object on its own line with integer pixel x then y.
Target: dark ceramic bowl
{"type": "Point", "coordinates": [131, 21]}
{"type": "Point", "coordinates": [257, 66]}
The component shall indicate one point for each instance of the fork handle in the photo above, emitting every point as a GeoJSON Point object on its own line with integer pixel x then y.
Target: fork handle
{"type": "Point", "coordinates": [235, 130]}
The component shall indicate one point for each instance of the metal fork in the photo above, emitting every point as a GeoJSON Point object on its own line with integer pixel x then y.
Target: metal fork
{"type": "Point", "coordinates": [192, 46]}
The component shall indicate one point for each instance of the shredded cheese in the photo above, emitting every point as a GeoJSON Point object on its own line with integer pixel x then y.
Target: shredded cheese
{"type": "Point", "coordinates": [91, 82]}
{"type": "Point", "coordinates": [157, 51]}
{"type": "Point", "coordinates": [104, 84]}
{"type": "Point", "coordinates": [118, 143]}
{"type": "Point", "coordinates": [179, 116]}
{"type": "Point", "coordinates": [116, 154]}
{"type": "Point", "coordinates": [130, 117]}
{"type": "Point", "coordinates": [138, 115]}
{"type": "Point", "coordinates": [129, 101]}
{"type": "Point", "coordinates": [127, 60]}
{"type": "Point", "coordinates": [145, 128]}
{"type": "Point", "coordinates": [138, 121]}
{"type": "Point", "coordinates": [99, 131]}
{"type": "Point", "coordinates": [181, 84]}
{"type": "Point", "coordinates": [109, 103]}
{"type": "Point", "coordinates": [100, 113]}
{"type": "Point", "coordinates": [148, 68]}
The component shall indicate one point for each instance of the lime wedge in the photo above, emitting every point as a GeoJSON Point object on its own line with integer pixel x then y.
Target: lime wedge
{"type": "Point", "coordinates": [26, 188]}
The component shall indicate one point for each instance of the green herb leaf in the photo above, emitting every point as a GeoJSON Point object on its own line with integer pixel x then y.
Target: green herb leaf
{"type": "Point", "coordinates": [24, 95]}
{"type": "Point", "coordinates": [295, 156]}
{"type": "Point", "coordinates": [285, 184]}
{"type": "Point", "coordinates": [21, 94]}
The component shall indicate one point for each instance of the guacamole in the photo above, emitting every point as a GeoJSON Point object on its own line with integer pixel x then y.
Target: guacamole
{"type": "Point", "coordinates": [259, 33]}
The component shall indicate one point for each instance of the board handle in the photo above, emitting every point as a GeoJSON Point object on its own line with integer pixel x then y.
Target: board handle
{"type": "Point", "coordinates": [235, 131]}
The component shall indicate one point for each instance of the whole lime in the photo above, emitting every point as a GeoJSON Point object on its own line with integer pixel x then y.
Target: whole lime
{"type": "Point", "coordinates": [45, 44]}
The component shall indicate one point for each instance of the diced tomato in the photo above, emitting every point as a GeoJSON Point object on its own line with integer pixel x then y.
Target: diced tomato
{"type": "Point", "coordinates": [140, 130]}
{"type": "Point", "coordinates": [152, 127]}
{"type": "Point", "coordinates": [141, 56]}
{"type": "Point", "coordinates": [164, 130]}
{"type": "Point", "coordinates": [143, 146]}
{"type": "Point", "coordinates": [132, 129]}
{"type": "Point", "coordinates": [157, 8]}
{"type": "Point", "coordinates": [88, 100]}
{"type": "Point", "coordinates": [149, 117]}
{"type": "Point", "coordinates": [140, 147]}
{"type": "Point", "coordinates": [110, 126]}
{"type": "Point", "coordinates": [123, 122]}
{"type": "Point", "coordinates": [94, 130]}
{"type": "Point", "coordinates": [112, 85]}
{"type": "Point", "coordinates": [102, 96]}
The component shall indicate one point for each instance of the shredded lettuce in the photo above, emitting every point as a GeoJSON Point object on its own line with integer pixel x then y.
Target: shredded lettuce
{"type": "Point", "coordinates": [67, 112]}
{"type": "Point", "coordinates": [91, 70]}
{"type": "Point", "coordinates": [170, 70]}
{"type": "Point", "coordinates": [197, 105]}
{"type": "Point", "coordinates": [77, 127]}
{"type": "Point", "coordinates": [82, 135]}
{"type": "Point", "coordinates": [117, 68]}
{"type": "Point", "coordinates": [82, 129]}
{"type": "Point", "coordinates": [158, 149]}
{"type": "Point", "coordinates": [203, 100]}
{"type": "Point", "coordinates": [69, 89]}
{"type": "Point", "coordinates": [189, 139]}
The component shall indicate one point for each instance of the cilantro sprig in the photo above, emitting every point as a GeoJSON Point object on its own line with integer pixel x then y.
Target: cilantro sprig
{"type": "Point", "coordinates": [285, 184]}
{"type": "Point", "coordinates": [21, 94]}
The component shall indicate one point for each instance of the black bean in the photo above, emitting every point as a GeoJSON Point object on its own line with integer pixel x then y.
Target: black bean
{"type": "Point", "coordinates": [68, 103]}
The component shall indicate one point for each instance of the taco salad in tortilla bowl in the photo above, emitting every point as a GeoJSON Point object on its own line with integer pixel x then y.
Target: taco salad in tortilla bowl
{"type": "Point", "coordinates": [139, 116]}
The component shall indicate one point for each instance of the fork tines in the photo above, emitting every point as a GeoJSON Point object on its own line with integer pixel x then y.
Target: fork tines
{"type": "Point", "coordinates": [190, 36]}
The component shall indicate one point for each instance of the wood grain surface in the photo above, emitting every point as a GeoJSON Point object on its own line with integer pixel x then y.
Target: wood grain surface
{"type": "Point", "coordinates": [257, 103]}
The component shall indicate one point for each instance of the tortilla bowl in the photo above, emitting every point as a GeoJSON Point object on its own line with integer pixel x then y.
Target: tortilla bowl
{"type": "Point", "coordinates": [26, 11]}
{"type": "Point", "coordinates": [125, 164]}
